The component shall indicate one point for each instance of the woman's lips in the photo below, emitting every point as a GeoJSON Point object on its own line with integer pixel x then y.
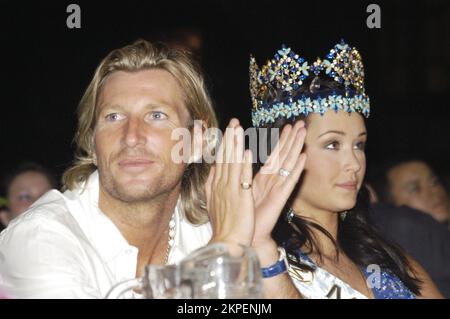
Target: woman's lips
{"type": "Point", "coordinates": [348, 185]}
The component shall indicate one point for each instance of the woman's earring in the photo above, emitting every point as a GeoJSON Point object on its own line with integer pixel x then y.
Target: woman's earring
{"type": "Point", "coordinates": [343, 215]}
{"type": "Point", "coordinates": [289, 215]}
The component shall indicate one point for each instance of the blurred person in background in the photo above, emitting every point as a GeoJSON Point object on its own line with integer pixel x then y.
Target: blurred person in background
{"type": "Point", "coordinates": [24, 186]}
{"type": "Point", "coordinates": [421, 235]}
{"type": "Point", "coordinates": [186, 38]}
{"type": "Point", "coordinates": [414, 183]}
{"type": "Point", "coordinates": [4, 213]}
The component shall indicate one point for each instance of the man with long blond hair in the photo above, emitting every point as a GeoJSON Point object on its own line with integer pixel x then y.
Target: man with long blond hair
{"type": "Point", "coordinates": [126, 202]}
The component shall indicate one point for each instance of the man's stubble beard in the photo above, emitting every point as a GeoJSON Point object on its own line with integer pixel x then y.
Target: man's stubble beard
{"type": "Point", "coordinates": [130, 195]}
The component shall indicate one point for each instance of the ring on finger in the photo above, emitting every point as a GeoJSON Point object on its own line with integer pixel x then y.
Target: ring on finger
{"type": "Point", "coordinates": [246, 185]}
{"type": "Point", "coordinates": [283, 172]}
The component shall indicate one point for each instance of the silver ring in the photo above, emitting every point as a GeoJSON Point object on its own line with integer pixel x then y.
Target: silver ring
{"type": "Point", "coordinates": [283, 172]}
{"type": "Point", "coordinates": [246, 185]}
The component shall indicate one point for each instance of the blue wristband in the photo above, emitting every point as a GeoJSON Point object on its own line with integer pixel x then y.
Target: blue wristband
{"type": "Point", "coordinates": [278, 268]}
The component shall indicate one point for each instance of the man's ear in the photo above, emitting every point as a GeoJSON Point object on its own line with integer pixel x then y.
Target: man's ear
{"type": "Point", "coordinates": [197, 141]}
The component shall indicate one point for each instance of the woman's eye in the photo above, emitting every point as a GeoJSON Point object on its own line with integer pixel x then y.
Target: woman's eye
{"type": "Point", "coordinates": [332, 146]}
{"type": "Point", "coordinates": [158, 116]}
{"type": "Point", "coordinates": [360, 146]}
{"type": "Point", "coordinates": [112, 117]}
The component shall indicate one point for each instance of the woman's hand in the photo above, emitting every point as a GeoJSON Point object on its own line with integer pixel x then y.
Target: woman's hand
{"type": "Point", "coordinates": [271, 189]}
{"type": "Point", "coordinates": [230, 201]}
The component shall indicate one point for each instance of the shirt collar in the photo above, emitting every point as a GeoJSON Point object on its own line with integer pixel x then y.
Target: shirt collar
{"type": "Point", "coordinates": [100, 230]}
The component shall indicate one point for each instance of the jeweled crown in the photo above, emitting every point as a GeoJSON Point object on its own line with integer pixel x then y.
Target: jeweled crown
{"type": "Point", "coordinates": [275, 88]}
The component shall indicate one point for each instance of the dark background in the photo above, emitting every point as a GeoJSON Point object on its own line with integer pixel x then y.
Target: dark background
{"type": "Point", "coordinates": [46, 66]}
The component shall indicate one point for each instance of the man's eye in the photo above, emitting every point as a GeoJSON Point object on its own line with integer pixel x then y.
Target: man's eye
{"type": "Point", "coordinates": [435, 181]}
{"type": "Point", "coordinates": [112, 117]}
{"type": "Point", "coordinates": [158, 116]}
{"type": "Point", "coordinates": [332, 146]}
{"type": "Point", "coordinates": [414, 188]}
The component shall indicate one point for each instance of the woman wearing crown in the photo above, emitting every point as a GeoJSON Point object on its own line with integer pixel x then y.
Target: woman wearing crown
{"type": "Point", "coordinates": [326, 242]}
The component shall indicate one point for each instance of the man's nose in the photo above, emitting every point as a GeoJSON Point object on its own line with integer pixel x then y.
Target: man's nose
{"type": "Point", "coordinates": [134, 133]}
{"type": "Point", "coordinates": [437, 190]}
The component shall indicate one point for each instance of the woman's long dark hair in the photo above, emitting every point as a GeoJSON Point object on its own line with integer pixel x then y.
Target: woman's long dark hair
{"type": "Point", "coordinates": [357, 238]}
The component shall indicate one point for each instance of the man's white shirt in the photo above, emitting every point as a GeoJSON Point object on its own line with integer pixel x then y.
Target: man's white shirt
{"type": "Point", "coordinates": [65, 247]}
